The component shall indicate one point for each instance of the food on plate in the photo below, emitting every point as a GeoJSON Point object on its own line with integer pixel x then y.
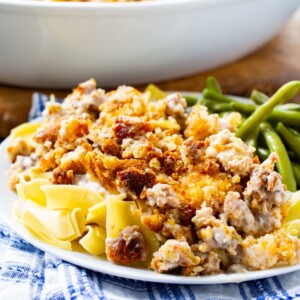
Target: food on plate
{"type": "Point", "coordinates": [285, 118]}
{"type": "Point", "coordinates": [151, 179]}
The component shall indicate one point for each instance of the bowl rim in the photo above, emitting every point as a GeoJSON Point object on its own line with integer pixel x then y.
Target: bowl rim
{"type": "Point", "coordinates": [114, 6]}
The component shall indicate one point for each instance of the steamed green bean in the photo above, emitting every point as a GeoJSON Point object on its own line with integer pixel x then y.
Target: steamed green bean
{"type": "Point", "coordinates": [213, 85]}
{"type": "Point", "coordinates": [190, 100]}
{"type": "Point", "coordinates": [291, 140]}
{"type": "Point", "coordinates": [259, 97]}
{"type": "Point", "coordinates": [251, 139]}
{"type": "Point", "coordinates": [285, 93]}
{"type": "Point", "coordinates": [296, 170]}
{"type": "Point", "coordinates": [213, 95]}
{"type": "Point", "coordinates": [284, 165]}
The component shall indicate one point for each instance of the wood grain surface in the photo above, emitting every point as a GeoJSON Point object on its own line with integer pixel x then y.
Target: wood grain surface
{"type": "Point", "coordinates": [266, 69]}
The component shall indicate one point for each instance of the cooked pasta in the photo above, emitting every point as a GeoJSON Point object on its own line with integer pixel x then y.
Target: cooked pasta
{"type": "Point", "coordinates": [24, 131]}
{"type": "Point", "coordinates": [56, 225]}
{"type": "Point", "coordinates": [97, 214]}
{"type": "Point", "coordinates": [32, 190]}
{"type": "Point", "coordinates": [70, 197]}
{"type": "Point", "coordinates": [94, 241]}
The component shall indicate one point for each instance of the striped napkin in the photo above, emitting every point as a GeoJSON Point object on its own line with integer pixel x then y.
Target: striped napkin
{"type": "Point", "coordinates": [28, 273]}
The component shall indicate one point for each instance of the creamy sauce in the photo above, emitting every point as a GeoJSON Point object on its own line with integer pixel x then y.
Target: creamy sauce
{"type": "Point", "coordinates": [86, 181]}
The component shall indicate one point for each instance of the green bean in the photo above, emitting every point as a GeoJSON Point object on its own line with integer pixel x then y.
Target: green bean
{"type": "Point", "coordinates": [251, 139]}
{"type": "Point", "coordinates": [290, 106]}
{"type": "Point", "coordinates": [284, 112]}
{"type": "Point", "coordinates": [246, 108]}
{"type": "Point", "coordinates": [213, 85]}
{"type": "Point", "coordinates": [263, 153]}
{"type": "Point", "coordinates": [285, 93]}
{"type": "Point", "coordinates": [291, 154]}
{"type": "Point", "coordinates": [291, 140]}
{"type": "Point", "coordinates": [294, 132]}
{"type": "Point", "coordinates": [259, 97]}
{"type": "Point", "coordinates": [284, 165]}
{"type": "Point", "coordinates": [262, 142]}
{"type": "Point", "coordinates": [215, 106]}
{"type": "Point", "coordinates": [212, 95]}
{"type": "Point", "coordinates": [285, 116]}
{"type": "Point", "coordinates": [288, 117]}
{"type": "Point", "coordinates": [296, 170]}
{"type": "Point", "coordinates": [190, 100]}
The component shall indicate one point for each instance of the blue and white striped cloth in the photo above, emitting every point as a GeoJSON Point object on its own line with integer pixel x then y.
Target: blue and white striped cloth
{"type": "Point", "coordinates": [28, 273]}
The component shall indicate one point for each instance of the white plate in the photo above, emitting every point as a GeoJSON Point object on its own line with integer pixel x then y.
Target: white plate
{"type": "Point", "coordinates": [100, 264]}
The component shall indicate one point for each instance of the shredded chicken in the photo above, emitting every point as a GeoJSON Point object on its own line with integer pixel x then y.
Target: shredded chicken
{"type": "Point", "coordinates": [234, 155]}
{"type": "Point", "coordinates": [173, 254]}
{"type": "Point", "coordinates": [175, 105]}
{"type": "Point", "coordinates": [265, 184]}
{"type": "Point", "coordinates": [128, 248]}
{"type": "Point", "coordinates": [238, 213]}
{"type": "Point", "coordinates": [269, 250]}
{"type": "Point", "coordinates": [162, 195]}
{"type": "Point", "coordinates": [214, 232]}
{"type": "Point", "coordinates": [191, 151]}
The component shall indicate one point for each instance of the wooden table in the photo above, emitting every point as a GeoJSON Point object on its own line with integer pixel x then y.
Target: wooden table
{"type": "Point", "coordinates": [266, 69]}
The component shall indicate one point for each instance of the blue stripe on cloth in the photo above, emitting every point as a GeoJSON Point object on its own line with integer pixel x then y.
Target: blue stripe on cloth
{"type": "Point", "coordinates": [4, 235]}
{"type": "Point", "coordinates": [255, 289]}
{"type": "Point", "coordinates": [42, 104]}
{"type": "Point", "coordinates": [242, 291]}
{"type": "Point", "coordinates": [87, 279]}
{"type": "Point", "coordinates": [70, 287]}
{"type": "Point", "coordinates": [267, 287]}
{"type": "Point", "coordinates": [170, 292]}
{"type": "Point", "coordinates": [177, 291]}
{"type": "Point", "coordinates": [20, 273]}
{"type": "Point", "coordinates": [280, 287]}
{"type": "Point", "coordinates": [38, 104]}
{"type": "Point", "coordinates": [297, 295]}
{"type": "Point", "coordinates": [150, 290]}
{"type": "Point", "coordinates": [20, 244]}
{"type": "Point", "coordinates": [163, 293]}
{"type": "Point", "coordinates": [190, 292]}
{"type": "Point", "coordinates": [55, 296]}
{"type": "Point", "coordinates": [40, 284]}
{"type": "Point", "coordinates": [99, 285]}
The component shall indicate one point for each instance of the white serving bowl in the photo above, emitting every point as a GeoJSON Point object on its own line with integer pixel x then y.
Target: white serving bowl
{"type": "Point", "coordinates": [57, 45]}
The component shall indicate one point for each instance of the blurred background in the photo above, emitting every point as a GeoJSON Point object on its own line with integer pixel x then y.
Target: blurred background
{"type": "Point", "coordinates": [265, 69]}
